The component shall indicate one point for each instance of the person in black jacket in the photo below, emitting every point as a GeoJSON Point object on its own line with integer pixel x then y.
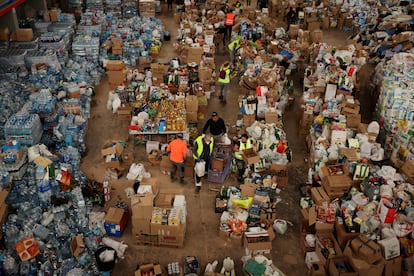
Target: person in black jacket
{"type": "Point", "coordinates": [217, 127]}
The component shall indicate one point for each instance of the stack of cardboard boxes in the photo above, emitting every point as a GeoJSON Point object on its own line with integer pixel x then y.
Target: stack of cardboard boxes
{"type": "Point", "coordinates": [149, 225]}
{"type": "Point", "coordinates": [117, 46]}
{"type": "Point", "coordinates": [115, 72]}
{"type": "Point", "coordinates": [147, 8]}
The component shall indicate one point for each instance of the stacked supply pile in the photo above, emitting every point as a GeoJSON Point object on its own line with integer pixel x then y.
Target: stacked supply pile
{"type": "Point", "coordinates": [395, 107]}
{"type": "Point", "coordinates": [135, 40]}
{"type": "Point", "coordinates": [158, 217]}
{"type": "Point", "coordinates": [115, 73]}
{"type": "Point", "coordinates": [146, 8]}
{"type": "Point", "coordinates": [247, 217]}
{"type": "Point", "coordinates": [23, 127]}
{"type": "Point", "coordinates": [14, 159]}
{"type": "Point", "coordinates": [375, 204]}
{"type": "Point", "coordinates": [8, 91]}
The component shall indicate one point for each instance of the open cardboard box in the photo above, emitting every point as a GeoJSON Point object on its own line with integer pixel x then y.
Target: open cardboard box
{"type": "Point", "coordinates": [148, 269]}
{"type": "Point", "coordinates": [250, 156]}
{"type": "Point", "coordinates": [77, 245]}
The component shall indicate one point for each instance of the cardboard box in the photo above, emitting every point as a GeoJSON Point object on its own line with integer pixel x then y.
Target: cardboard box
{"type": "Point", "coordinates": [361, 266]}
{"type": "Point", "coordinates": [390, 248]}
{"type": "Point", "coordinates": [293, 31]}
{"type": "Point", "coordinates": [114, 215]}
{"type": "Point", "coordinates": [114, 65]}
{"type": "Point", "coordinates": [248, 189]}
{"type": "Point", "coordinates": [319, 196]}
{"type": "Point", "coordinates": [4, 34]}
{"type": "Point", "coordinates": [169, 234]}
{"type": "Point", "coordinates": [77, 245]}
{"type": "Point", "coordinates": [248, 120]}
{"type": "Point", "coordinates": [342, 236]}
{"type": "Point", "coordinates": [142, 206]}
{"type": "Point", "coordinates": [393, 267]}
{"type": "Point", "coordinates": [281, 172]}
{"type": "Point", "coordinates": [23, 34]}
{"type": "Point", "coordinates": [148, 269]}
{"type": "Point", "coordinates": [115, 221]}
{"type": "Point", "coordinates": [271, 117]}
{"type": "Point", "coordinates": [350, 154]}
{"type": "Point", "coordinates": [124, 113]}
{"type": "Point", "coordinates": [317, 269]}
{"type": "Point", "coordinates": [3, 208]}
{"type": "Point", "coordinates": [192, 117]}
{"type": "Point", "coordinates": [140, 226]}
{"type": "Point", "coordinates": [250, 156]}
{"type": "Point", "coordinates": [217, 164]}
{"type": "Point", "coordinates": [314, 25]}
{"type": "Point", "coordinates": [191, 103]}
{"type": "Point", "coordinates": [408, 168]}
{"type": "Point", "coordinates": [116, 77]}
{"type": "Point", "coordinates": [54, 15]}
{"type": "Point", "coordinates": [316, 36]}
{"type": "Point", "coordinates": [114, 147]}
{"type": "Point", "coordinates": [308, 222]}
{"type": "Point", "coordinates": [257, 241]}
{"type": "Point", "coordinates": [336, 186]}
{"type": "Point", "coordinates": [327, 247]}
{"type": "Point", "coordinates": [334, 170]}
{"type": "Point", "coordinates": [353, 120]}
{"type": "Point", "coordinates": [366, 249]}
{"type": "Point", "coordinates": [340, 266]}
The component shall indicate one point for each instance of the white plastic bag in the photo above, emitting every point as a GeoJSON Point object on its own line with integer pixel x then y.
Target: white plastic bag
{"type": "Point", "coordinates": [200, 168]}
{"type": "Point", "coordinates": [280, 226]}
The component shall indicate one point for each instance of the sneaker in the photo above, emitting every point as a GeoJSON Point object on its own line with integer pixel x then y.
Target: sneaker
{"type": "Point", "coordinates": [197, 189]}
{"type": "Point", "coordinates": [182, 181]}
{"type": "Point", "coordinates": [221, 97]}
{"type": "Point", "coordinates": [172, 178]}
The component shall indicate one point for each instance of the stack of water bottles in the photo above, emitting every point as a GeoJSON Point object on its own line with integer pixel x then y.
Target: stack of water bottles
{"type": "Point", "coordinates": [43, 103]}
{"type": "Point", "coordinates": [12, 98]}
{"type": "Point", "coordinates": [86, 46]}
{"type": "Point", "coordinates": [23, 127]}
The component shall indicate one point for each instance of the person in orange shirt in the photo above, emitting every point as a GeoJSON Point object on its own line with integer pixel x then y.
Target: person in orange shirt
{"type": "Point", "coordinates": [178, 151]}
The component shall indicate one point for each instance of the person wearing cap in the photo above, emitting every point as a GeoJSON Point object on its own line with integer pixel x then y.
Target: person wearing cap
{"type": "Point", "coordinates": [203, 148]}
{"type": "Point", "coordinates": [216, 127]}
{"type": "Point", "coordinates": [244, 143]}
{"type": "Point", "coordinates": [178, 151]}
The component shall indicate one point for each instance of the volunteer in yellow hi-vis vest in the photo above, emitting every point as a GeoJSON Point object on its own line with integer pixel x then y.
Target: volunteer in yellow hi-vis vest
{"type": "Point", "coordinates": [233, 47]}
{"type": "Point", "coordinates": [203, 148]}
{"type": "Point", "coordinates": [244, 143]}
{"type": "Point", "coordinates": [224, 78]}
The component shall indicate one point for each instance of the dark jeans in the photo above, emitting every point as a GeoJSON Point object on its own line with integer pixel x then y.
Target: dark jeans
{"type": "Point", "coordinates": [179, 166]}
{"type": "Point", "coordinates": [169, 5]}
{"type": "Point", "coordinates": [228, 32]}
{"type": "Point", "coordinates": [241, 168]}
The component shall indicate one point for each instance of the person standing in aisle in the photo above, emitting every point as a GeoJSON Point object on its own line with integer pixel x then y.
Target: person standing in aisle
{"type": "Point", "coordinates": [169, 5]}
{"type": "Point", "coordinates": [233, 47]}
{"type": "Point", "coordinates": [216, 126]}
{"type": "Point", "coordinates": [203, 148]}
{"type": "Point", "coordinates": [291, 17]}
{"type": "Point", "coordinates": [242, 144]}
{"type": "Point", "coordinates": [178, 151]}
{"type": "Point", "coordinates": [224, 79]}
{"type": "Point", "coordinates": [229, 22]}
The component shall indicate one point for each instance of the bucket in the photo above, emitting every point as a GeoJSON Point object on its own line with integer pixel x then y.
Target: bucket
{"type": "Point", "coordinates": [105, 265]}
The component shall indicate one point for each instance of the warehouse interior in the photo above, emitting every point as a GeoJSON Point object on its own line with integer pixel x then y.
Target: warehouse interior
{"type": "Point", "coordinates": [203, 237]}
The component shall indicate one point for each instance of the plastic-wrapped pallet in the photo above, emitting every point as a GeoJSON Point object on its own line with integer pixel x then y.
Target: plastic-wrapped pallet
{"type": "Point", "coordinates": [25, 128]}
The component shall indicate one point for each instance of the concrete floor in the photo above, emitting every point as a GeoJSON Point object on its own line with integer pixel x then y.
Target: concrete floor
{"type": "Point", "coordinates": [202, 238]}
